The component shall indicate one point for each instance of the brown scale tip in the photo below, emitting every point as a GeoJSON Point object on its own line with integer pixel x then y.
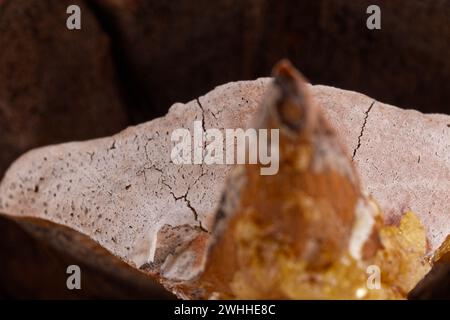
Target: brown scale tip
{"type": "Point", "coordinates": [294, 106]}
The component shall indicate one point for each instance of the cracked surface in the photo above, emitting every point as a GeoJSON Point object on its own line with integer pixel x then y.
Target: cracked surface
{"type": "Point", "coordinates": [123, 190]}
{"type": "Point", "coordinates": [404, 160]}
{"type": "Point", "coordinates": [362, 130]}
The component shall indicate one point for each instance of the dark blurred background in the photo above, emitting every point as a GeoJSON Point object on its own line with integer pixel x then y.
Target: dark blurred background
{"type": "Point", "coordinates": [133, 58]}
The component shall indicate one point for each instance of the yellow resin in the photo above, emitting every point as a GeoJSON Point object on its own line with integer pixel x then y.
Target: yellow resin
{"type": "Point", "coordinates": [273, 271]}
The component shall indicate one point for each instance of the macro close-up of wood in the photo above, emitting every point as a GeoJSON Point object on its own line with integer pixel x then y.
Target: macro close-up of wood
{"type": "Point", "coordinates": [361, 185]}
{"type": "Point", "coordinates": [164, 225]}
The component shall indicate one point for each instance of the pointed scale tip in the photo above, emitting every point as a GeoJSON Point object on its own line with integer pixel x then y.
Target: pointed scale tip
{"type": "Point", "coordinates": [284, 69]}
{"type": "Point", "coordinates": [294, 106]}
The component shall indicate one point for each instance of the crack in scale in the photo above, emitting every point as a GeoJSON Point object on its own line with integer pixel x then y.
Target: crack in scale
{"type": "Point", "coordinates": [184, 197]}
{"type": "Point", "coordinates": [366, 116]}
{"type": "Point", "coordinates": [203, 114]}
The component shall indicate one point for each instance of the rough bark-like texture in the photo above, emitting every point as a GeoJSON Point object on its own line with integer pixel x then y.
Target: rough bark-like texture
{"type": "Point", "coordinates": [115, 189]}
{"type": "Point", "coordinates": [123, 189]}
{"type": "Point", "coordinates": [55, 84]}
{"type": "Point", "coordinates": [35, 255]}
